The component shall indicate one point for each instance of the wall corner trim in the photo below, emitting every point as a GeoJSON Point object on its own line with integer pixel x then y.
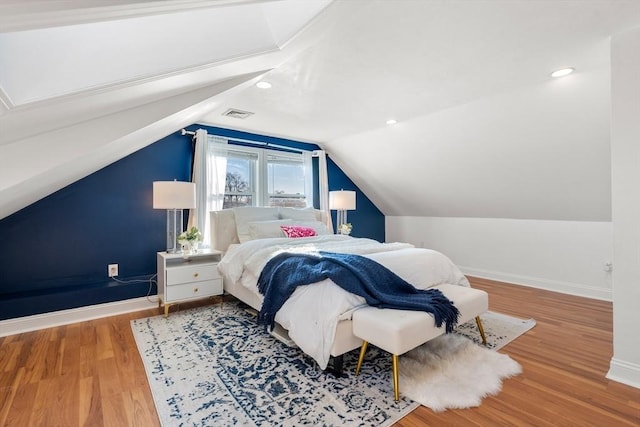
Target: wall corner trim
{"type": "Point", "coordinates": [74, 315]}
{"type": "Point", "coordinates": [624, 372]}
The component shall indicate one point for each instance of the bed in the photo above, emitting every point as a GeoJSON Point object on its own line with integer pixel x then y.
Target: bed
{"type": "Point", "coordinates": [316, 318]}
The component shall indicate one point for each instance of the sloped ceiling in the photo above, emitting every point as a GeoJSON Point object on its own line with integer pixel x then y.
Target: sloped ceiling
{"type": "Point", "coordinates": [83, 84]}
{"type": "Point", "coordinates": [482, 129]}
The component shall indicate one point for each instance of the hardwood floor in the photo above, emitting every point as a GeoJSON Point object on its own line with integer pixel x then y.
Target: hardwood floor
{"type": "Point", "coordinates": [90, 373]}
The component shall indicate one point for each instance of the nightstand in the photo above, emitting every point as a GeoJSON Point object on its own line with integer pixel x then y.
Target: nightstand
{"type": "Point", "coordinates": [188, 277]}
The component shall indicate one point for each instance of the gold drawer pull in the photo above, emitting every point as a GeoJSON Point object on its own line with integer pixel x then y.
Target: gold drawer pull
{"type": "Point", "coordinates": [195, 274]}
{"type": "Point", "coordinates": [195, 290]}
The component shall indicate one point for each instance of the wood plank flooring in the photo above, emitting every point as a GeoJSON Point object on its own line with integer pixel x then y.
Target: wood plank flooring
{"type": "Point", "coordinates": [90, 373]}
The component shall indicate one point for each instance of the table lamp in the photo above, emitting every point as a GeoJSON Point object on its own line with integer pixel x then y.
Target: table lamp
{"type": "Point", "coordinates": [342, 201]}
{"type": "Point", "coordinates": [174, 196]}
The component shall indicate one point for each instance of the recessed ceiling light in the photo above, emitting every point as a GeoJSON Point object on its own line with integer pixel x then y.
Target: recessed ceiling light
{"type": "Point", "coordinates": [263, 85]}
{"type": "Point", "coordinates": [562, 72]}
{"type": "Point", "coordinates": [392, 121]}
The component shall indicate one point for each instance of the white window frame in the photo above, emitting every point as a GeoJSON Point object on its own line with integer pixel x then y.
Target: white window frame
{"type": "Point", "coordinates": [260, 195]}
{"type": "Point", "coordinates": [286, 155]}
{"type": "Point", "coordinates": [254, 173]}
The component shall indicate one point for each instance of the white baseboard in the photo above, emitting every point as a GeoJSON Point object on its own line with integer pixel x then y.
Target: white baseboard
{"type": "Point", "coordinates": [549, 285]}
{"type": "Point", "coordinates": [624, 372]}
{"type": "Point", "coordinates": [74, 315]}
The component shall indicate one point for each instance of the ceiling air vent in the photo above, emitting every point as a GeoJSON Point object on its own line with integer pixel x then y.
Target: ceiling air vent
{"type": "Point", "coordinates": [237, 114]}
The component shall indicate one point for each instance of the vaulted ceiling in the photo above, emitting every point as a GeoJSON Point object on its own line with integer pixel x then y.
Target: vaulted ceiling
{"type": "Point", "coordinates": [482, 129]}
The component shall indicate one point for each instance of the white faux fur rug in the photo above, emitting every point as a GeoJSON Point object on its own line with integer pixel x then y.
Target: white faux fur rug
{"type": "Point", "coordinates": [452, 371]}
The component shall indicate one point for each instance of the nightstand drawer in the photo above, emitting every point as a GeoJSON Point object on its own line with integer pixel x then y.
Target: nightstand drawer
{"type": "Point", "coordinates": [194, 290]}
{"type": "Point", "coordinates": [192, 273]}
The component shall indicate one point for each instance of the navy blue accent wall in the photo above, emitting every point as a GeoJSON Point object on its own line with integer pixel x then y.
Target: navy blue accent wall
{"type": "Point", "coordinates": [230, 133]}
{"type": "Point", "coordinates": [367, 220]}
{"type": "Point", "coordinates": [54, 253]}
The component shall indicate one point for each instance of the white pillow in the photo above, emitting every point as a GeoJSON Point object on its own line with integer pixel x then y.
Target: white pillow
{"type": "Point", "coordinates": [306, 214]}
{"type": "Point", "coordinates": [271, 229]}
{"type": "Point", "coordinates": [267, 229]}
{"type": "Point", "coordinates": [251, 214]}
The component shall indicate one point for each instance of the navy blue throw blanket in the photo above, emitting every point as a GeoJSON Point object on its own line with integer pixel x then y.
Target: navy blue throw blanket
{"type": "Point", "coordinates": [362, 276]}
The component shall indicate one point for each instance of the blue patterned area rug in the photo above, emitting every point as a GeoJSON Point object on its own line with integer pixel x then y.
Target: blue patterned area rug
{"type": "Point", "coordinates": [214, 366]}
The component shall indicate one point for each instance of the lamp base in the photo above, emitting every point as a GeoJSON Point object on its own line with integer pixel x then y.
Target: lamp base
{"type": "Point", "coordinates": [174, 229]}
{"type": "Point", "coordinates": [341, 218]}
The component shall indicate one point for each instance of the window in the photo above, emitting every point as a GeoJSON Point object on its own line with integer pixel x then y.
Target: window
{"type": "Point", "coordinates": [230, 175]}
{"type": "Point", "coordinates": [286, 180]}
{"type": "Point", "coordinates": [240, 185]}
{"type": "Point", "coordinates": [261, 177]}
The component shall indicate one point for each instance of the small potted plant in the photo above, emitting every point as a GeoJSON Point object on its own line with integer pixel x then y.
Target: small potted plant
{"type": "Point", "coordinates": [345, 228]}
{"type": "Point", "coordinates": [190, 240]}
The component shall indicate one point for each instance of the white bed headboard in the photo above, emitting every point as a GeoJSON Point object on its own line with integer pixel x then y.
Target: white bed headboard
{"type": "Point", "coordinates": [224, 230]}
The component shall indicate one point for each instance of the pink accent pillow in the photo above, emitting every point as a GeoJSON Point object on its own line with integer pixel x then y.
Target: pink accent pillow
{"type": "Point", "coordinates": [298, 231]}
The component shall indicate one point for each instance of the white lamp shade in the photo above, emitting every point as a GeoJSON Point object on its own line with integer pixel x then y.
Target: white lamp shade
{"type": "Point", "coordinates": [342, 200]}
{"type": "Point", "coordinates": [174, 195]}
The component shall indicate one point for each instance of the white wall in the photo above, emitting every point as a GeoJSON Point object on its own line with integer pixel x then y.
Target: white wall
{"type": "Point", "coordinates": [562, 256]}
{"type": "Point", "coordinates": [538, 152]}
{"type": "Point", "coordinates": [625, 156]}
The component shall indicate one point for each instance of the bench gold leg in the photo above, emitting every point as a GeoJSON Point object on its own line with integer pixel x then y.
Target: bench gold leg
{"type": "Point", "coordinates": [396, 391]}
{"type": "Point", "coordinates": [363, 350]}
{"type": "Point", "coordinates": [481, 329]}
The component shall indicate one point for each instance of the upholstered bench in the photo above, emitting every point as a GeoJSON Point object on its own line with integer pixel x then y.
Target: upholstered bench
{"type": "Point", "coordinates": [398, 331]}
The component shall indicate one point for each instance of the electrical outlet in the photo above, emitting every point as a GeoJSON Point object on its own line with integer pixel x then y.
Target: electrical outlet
{"type": "Point", "coordinates": [112, 270]}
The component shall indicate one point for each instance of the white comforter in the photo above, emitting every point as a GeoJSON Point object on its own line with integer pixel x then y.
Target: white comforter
{"type": "Point", "coordinates": [312, 313]}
